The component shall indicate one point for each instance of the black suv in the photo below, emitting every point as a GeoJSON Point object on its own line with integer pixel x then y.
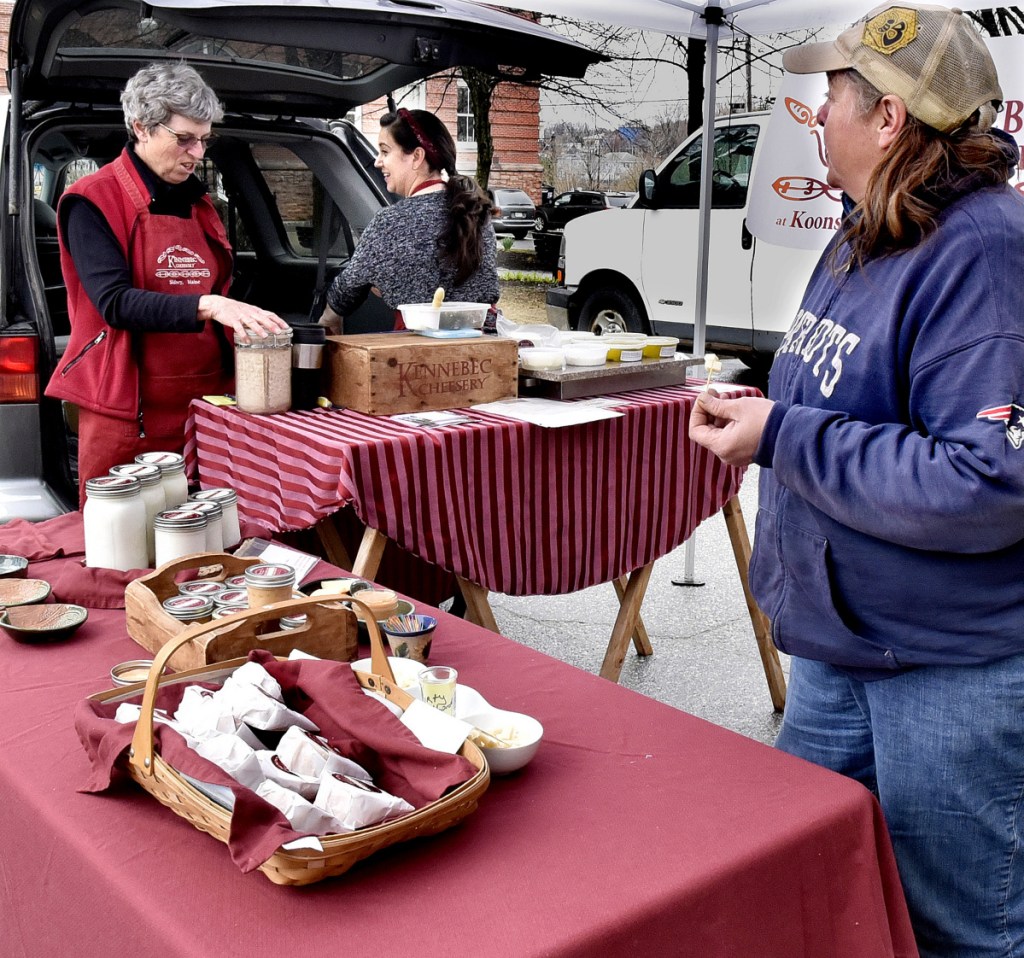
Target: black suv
{"type": "Point", "coordinates": [294, 186]}
{"type": "Point", "coordinates": [566, 207]}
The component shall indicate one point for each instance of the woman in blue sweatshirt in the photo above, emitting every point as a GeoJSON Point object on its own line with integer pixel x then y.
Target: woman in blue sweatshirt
{"type": "Point", "coordinates": [889, 549]}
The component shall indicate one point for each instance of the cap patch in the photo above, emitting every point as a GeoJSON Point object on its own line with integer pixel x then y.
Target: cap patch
{"type": "Point", "coordinates": [891, 30]}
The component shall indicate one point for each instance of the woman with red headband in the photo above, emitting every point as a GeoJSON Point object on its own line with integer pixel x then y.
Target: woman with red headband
{"type": "Point", "coordinates": [440, 234]}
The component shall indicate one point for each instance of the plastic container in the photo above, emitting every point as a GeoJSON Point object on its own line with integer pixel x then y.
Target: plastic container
{"type": "Point", "coordinates": [447, 316]}
{"type": "Point", "coordinates": [228, 500]}
{"type": "Point", "coordinates": [179, 532]}
{"type": "Point", "coordinates": [269, 582]}
{"type": "Point", "coordinates": [114, 518]}
{"type": "Point", "coordinates": [172, 475]}
{"type": "Point", "coordinates": [660, 347]}
{"type": "Point", "coordinates": [263, 373]}
{"type": "Point", "coordinates": [625, 347]}
{"type": "Point", "coordinates": [541, 357]}
{"type": "Point", "coordinates": [580, 353]}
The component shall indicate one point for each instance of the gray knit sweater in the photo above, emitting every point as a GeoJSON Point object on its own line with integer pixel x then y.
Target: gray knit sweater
{"type": "Point", "coordinates": [397, 253]}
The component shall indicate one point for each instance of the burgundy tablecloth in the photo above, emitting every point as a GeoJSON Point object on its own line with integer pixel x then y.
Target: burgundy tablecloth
{"type": "Point", "coordinates": [636, 830]}
{"type": "Point", "coordinates": [514, 507]}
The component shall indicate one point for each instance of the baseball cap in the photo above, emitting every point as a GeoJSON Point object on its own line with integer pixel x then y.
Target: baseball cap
{"type": "Point", "coordinates": [931, 57]}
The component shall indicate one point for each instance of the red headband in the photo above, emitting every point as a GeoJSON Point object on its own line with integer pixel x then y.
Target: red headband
{"type": "Point", "coordinates": [433, 157]}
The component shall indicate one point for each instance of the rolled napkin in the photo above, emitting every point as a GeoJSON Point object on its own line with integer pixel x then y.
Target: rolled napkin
{"type": "Point", "coordinates": [356, 803]}
{"type": "Point", "coordinates": [308, 754]}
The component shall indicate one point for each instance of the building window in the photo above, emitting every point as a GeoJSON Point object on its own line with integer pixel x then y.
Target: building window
{"type": "Point", "coordinates": [466, 121]}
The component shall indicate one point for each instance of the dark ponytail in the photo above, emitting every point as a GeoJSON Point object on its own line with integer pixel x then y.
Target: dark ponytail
{"type": "Point", "coordinates": [469, 208]}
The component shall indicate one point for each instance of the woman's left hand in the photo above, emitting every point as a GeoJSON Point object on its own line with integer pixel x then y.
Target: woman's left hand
{"type": "Point", "coordinates": [246, 320]}
{"type": "Point", "coordinates": [730, 428]}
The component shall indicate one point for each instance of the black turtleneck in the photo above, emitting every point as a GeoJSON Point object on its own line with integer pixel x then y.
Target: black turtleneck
{"type": "Point", "coordinates": [104, 270]}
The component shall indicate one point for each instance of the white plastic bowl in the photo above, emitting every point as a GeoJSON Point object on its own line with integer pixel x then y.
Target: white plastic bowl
{"type": "Point", "coordinates": [448, 316]}
{"type": "Point", "coordinates": [541, 357]}
{"type": "Point", "coordinates": [527, 732]}
{"type": "Point", "coordinates": [581, 353]}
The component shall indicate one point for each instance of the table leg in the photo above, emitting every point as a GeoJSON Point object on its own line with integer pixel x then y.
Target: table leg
{"type": "Point", "coordinates": [641, 639]}
{"type": "Point", "coordinates": [626, 621]}
{"type": "Point", "coordinates": [478, 608]}
{"type": "Point", "coordinates": [762, 628]}
{"type": "Point", "coordinates": [334, 550]}
{"type": "Point", "coordinates": [371, 549]}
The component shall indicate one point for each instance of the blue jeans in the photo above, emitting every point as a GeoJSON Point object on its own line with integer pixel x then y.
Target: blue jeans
{"type": "Point", "coordinates": [943, 748]}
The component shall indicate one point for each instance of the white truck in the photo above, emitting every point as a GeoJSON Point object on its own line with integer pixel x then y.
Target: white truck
{"type": "Point", "coordinates": [635, 268]}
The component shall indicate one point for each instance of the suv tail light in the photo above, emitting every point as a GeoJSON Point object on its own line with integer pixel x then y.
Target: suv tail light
{"type": "Point", "coordinates": [19, 369]}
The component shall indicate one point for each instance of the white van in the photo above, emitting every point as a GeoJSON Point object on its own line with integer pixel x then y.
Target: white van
{"type": "Point", "coordinates": [635, 269]}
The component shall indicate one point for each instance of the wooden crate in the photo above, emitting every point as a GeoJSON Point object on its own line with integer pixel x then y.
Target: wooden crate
{"type": "Point", "coordinates": [386, 373]}
{"type": "Point", "coordinates": [330, 630]}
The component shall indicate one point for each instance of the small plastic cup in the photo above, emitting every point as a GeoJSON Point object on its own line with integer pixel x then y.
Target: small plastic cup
{"type": "Point", "coordinates": [437, 687]}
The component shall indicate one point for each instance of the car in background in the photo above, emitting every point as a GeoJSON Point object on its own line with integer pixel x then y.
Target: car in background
{"type": "Point", "coordinates": [568, 206]}
{"type": "Point", "coordinates": [619, 199]}
{"type": "Point", "coordinates": [294, 187]}
{"type": "Point", "coordinates": [513, 211]}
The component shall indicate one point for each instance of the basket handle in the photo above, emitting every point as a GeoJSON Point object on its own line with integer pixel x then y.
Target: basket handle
{"type": "Point", "coordinates": [161, 580]}
{"type": "Point", "coordinates": [140, 755]}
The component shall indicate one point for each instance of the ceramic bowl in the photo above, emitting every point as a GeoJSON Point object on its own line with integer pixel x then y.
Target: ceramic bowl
{"type": "Point", "coordinates": [23, 591]}
{"type": "Point", "coordinates": [13, 567]}
{"type": "Point", "coordinates": [42, 623]}
{"type": "Point", "coordinates": [523, 731]}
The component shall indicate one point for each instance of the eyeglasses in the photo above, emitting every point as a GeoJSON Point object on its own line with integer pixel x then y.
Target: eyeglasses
{"type": "Point", "coordinates": [187, 140]}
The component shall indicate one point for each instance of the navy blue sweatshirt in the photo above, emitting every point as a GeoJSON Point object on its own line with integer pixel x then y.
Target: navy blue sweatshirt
{"type": "Point", "coordinates": [890, 530]}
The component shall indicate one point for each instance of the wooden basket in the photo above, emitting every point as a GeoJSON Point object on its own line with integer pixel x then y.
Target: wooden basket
{"type": "Point", "coordinates": [330, 630]}
{"type": "Point", "coordinates": [340, 852]}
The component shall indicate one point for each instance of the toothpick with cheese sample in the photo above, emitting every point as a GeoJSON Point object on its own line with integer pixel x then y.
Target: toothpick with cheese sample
{"type": "Point", "coordinates": [713, 365]}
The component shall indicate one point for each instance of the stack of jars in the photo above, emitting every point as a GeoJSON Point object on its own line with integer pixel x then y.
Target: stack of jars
{"type": "Point", "coordinates": [141, 517]}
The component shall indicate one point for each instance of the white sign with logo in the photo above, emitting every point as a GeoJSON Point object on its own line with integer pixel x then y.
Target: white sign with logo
{"type": "Point", "coordinates": [791, 203]}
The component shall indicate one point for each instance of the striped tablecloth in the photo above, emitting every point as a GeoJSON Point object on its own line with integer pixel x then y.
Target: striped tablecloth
{"type": "Point", "coordinates": [514, 507]}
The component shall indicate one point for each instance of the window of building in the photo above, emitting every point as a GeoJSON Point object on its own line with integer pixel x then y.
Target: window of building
{"type": "Point", "coordinates": [464, 114]}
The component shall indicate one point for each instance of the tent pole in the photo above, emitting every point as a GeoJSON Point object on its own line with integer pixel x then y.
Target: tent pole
{"type": "Point", "coordinates": [713, 16]}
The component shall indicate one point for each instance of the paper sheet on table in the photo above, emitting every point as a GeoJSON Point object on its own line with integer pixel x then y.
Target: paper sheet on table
{"type": "Point", "coordinates": [435, 729]}
{"type": "Point", "coordinates": [549, 413]}
{"type": "Point", "coordinates": [301, 562]}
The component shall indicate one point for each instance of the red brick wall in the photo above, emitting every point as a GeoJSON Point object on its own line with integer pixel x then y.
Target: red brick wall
{"type": "Point", "coordinates": [5, 27]}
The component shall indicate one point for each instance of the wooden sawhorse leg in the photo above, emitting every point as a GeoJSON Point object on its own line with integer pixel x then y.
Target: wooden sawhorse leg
{"type": "Point", "coordinates": [478, 607]}
{"type": "Point", "coordinates": [334, 550]}
{"type": "Point", "coordinates": [627, 622]}
{"type": "Point", "coordinates": [762, 628]}
{"type": "Point", "coordinates": [641, 639]}
{"type": "Point", "coordinates": [371, 550]}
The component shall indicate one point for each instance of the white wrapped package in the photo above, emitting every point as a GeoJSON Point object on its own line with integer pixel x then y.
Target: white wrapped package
{"type": "Point", "coordinates": [308, 754]}
{"type": "Point", "coordinates": [356, 803]}
{"type": "Point", "coordinates": [234, 756]}
{"type": "Point", "coordinates": [128, 714]}
{"type": "Point", "coordinates": [201, 715]}
{"type": "Point", "coordinates": [248, 736]}
{"type": "Point", "coordinates": [250, 704]}
{"type": "Point", "coordinates": [302, 815]}
{"type": "Point", "coordinates": [252, 673]}
{"type": "Point", "coordinates": [274, 770]}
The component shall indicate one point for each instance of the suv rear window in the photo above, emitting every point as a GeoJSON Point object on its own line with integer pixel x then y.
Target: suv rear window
{"type": "Point", "coordinates": [118, 29]}
{"type": "Point", "coordinates": [513, 197]}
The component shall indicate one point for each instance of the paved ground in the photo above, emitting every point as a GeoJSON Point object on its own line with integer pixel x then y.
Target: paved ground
{"type": "Point", "coordinates": [705, 659]}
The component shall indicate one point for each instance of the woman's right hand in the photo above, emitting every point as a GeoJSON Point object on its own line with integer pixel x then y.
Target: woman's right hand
{"type": "Point", "coordinates": [244, 318]}
{"type": "Point", "coordinates": [332, 321]}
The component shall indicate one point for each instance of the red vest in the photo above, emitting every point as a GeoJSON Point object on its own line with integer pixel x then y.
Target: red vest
{"type": "Point", "coordinates": [100, 369]}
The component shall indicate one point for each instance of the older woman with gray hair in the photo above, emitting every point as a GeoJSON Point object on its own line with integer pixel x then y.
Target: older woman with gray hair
{"type": "Point", "coordinates": [147, 265]}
